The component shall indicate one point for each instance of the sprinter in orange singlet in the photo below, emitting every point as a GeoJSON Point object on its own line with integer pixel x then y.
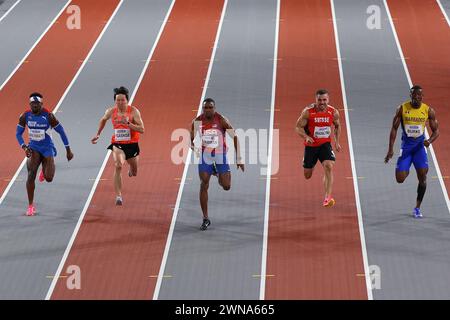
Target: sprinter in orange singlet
{"type": "Point", "coordinates": [127, 124]}
{"type": "Point", "coordinates": [315, 127]}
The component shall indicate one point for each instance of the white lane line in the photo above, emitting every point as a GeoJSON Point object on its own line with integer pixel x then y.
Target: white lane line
{"type": "Point", "coordinates": [105, 161]}
{"type": "Point", "coordinates": [34, 45]}
{"type": "Point", "coordinates": [9, 10]}
{"type": "Point", "coordinates": [24, 161]}
{"type": "Point", "coordinates": [443, 12]}
{"type": "Point", "coordinates": [262, 286]}
{"type": "Point", "coordinates": [61, 265]}
{"type": "Point", "coordinates": [430, 148]}
{"type": "Point", "coordinates": [186, 165]}
{"type": "Point", "coordinates": [352, 160]}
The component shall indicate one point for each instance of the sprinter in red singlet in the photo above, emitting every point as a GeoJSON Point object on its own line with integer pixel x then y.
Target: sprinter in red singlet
{"type": "Point", "coordinates": [315, 127]}
{"type": "Point", "coordinates": [127, 124]}
{"type": "Point", "coordinates": [212, 128]}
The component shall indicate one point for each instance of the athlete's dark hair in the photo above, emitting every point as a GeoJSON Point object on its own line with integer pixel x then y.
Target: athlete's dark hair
{"type": "Point", "coordinates": [36, 94]}
{"type": "Point", "coordinates": [209, 100]}
{"type": "Point", "coordinates": [321, 92]}
{"type": "Point", "coordinates": [121, 90]}
{"type": "Point", "coordinates": [415, 88]}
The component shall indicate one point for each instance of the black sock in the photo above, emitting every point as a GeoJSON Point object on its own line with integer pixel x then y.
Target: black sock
{"type": "Point", "coordinates": [421, 191]}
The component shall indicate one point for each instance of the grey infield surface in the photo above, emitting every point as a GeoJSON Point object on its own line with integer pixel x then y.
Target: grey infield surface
{"type": "Point", "coordinates": [223, 262]}
{"type": "Point", "coordinates": [32, 248]}
{"type": "Point", "coordinates": [413, 255]}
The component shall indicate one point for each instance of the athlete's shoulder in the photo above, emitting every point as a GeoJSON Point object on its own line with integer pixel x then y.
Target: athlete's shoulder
{"type": "Point", "coordinates": [134, 108]}
{"type": "Point", "coordinates": [45, 111]}
{"type": "Point", "coordinates": [309, 107]}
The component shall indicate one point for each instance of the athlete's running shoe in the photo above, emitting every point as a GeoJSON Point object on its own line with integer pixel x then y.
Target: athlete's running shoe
{"type": "Point", "coordinates": [417, 214]}
{"type": "Point", "coordinates": [205, 224]}
{"type": "Point", "coordinates": [31, 211]}
{"type": "Point", "coordinates": [119, 201]}
{"type": "Point", "coordinates": [41, 176]}
{"type": "Point", "coordinates": [328, 202]}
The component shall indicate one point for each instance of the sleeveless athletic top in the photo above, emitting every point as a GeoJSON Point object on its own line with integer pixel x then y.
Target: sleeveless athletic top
{"type": "Point", "coordinates": [213, 134]}
{"type": "Point", "coordinates": [122, 132]}
{"type": "Point", "coordinates": [413, 122]}
{"type": "Point", "coordinates": [319, 125]}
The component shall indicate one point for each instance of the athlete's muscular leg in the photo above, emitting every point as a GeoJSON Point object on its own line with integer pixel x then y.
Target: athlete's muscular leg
{"type": "Point", "coordinates": [225, 180]}
{"type": "Point", "coordinates": [119, 160]}
{"type": "Point", "coordinates": [204, 178]}
{"type": "Point", "coordinates": [308, 173]}
{"type": "Point", "coordinates": [328, 177]}
{"type": "Point", "coordinates": [48, 167]}
{"type": "Point", "coordinates": [32, 166]}
{"type": "Point", "coordinates": [400, 176]}
{"type": "Point", "coordinates": [422, 177]}
{"type": "Point", "coordinates": [133, 163]}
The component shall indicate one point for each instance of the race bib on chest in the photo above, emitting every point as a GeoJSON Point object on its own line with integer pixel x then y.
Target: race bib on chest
{"type": "Point", "coordinates": [414, 131]}
{"type": "Point", "coordinates": [122, 134]}
{"type": "Point", "coordinates": [36, 134]}
{"type": "Point", "coordinates": [322, 132]}
{"type": "Point", "coordinates": [210, 138]}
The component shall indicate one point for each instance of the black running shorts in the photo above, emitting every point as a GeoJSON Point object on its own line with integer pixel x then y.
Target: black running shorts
{"type": "Point", "coordinates": [131, 150]}
{"type": "Point", "coordinates": [322, 153]}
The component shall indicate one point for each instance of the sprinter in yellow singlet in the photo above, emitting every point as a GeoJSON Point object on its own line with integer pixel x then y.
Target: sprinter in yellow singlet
{"type": "Point", "coordinates": [412, 116]}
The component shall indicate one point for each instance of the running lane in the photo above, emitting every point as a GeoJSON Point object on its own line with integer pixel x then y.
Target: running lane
{"type": "Point", "coordinates": [33, 248]}
{"type": "Point", "coordinates": [119, 249]}
{"type": "Point", "coordinates": [313, 252]}
{"type": "Point", "coordinates": [424, 36]}
{"type": "Point", "coordinates": [19, 30]}
{"type": "Point", "coordinates": [48, 69]}
{"type": "Point", "coordinates": [412, 255]}
{"type": "Point", "coordinates": [224, 261]}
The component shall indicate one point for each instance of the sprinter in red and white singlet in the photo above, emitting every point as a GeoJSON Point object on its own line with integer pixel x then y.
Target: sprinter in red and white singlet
{"type": "Point", "coordinates": [315, 127]}
{"type": "Point", "coordinates": [127, 124]}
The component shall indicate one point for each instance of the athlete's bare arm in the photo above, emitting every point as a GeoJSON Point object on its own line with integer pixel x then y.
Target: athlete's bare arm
{"type": "Point", "coordinates": [230, 130]}
{"type": "Point", "coordinates": [302, 121]}
{"type": "Point", "coordinates": [434, 127]}
{"type": "Point", "coordinates": [395, 124]}
{"type": "Point", "coordinates": [136, 123]}
{"type": "Point", "coordinates": [101, 125]}
{"type": "Point", "coordinates": [23, 123]}
{"type": "Point", "coordinates": [53, 123]}
{"type": "Point", "coordinates": [337, 129]}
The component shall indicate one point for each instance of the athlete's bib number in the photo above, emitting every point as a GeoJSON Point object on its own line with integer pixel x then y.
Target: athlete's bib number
{"type": "Point", "coordinates": [36, 134]}
{"type": "Point", "coordinates": [414, 131]}
{"type": "Point", "coordinates": [322, 132]}
{"type": "Point", "coordinates": [122, 134]}
{"type": "Point", "coordinates": [210, 139]}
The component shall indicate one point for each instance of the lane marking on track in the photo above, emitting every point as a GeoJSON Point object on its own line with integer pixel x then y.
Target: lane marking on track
{"type": "Point", "coordinates": [262, 285]}
{"type": "Point", "coordinates": [408, 76]}
{"type": "Point", "coordinates": [262, 275]}
{"type": "Point", "coordinates": [24, 161]}
{"type": "Point", "coordinates": [443, 12]}
{"type": "Point", "coordinates": [34, 45]}
{"type": "Point", "coordinates": [9, 10]}
{"type": "Point", "coordinates": [164, 276]}
{"type": "Point", "coordinates": [352, 159]}
{"type": "Point", "coordinates": [72, 239]}
{"type": "Point", "coordinates": [186, 165]}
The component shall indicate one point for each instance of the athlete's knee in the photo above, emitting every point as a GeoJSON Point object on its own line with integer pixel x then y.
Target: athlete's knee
{"type": "Point", "coordinates": [204, 186]}
{"type": "Point", "coordinates": [32, 175]}
{"type": "Point", "coordinates": [118, 165]}
{"type": "Point", "coordinates": [400, 179]}
{"type": "Point", "coordinates": [328, 166]}
{"type": "Point", "coordinates": [226, 186]}
{"type": "Point", "coordinates": [308, 174]}
{"type": "Point", "coordinates": [49, 179]}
